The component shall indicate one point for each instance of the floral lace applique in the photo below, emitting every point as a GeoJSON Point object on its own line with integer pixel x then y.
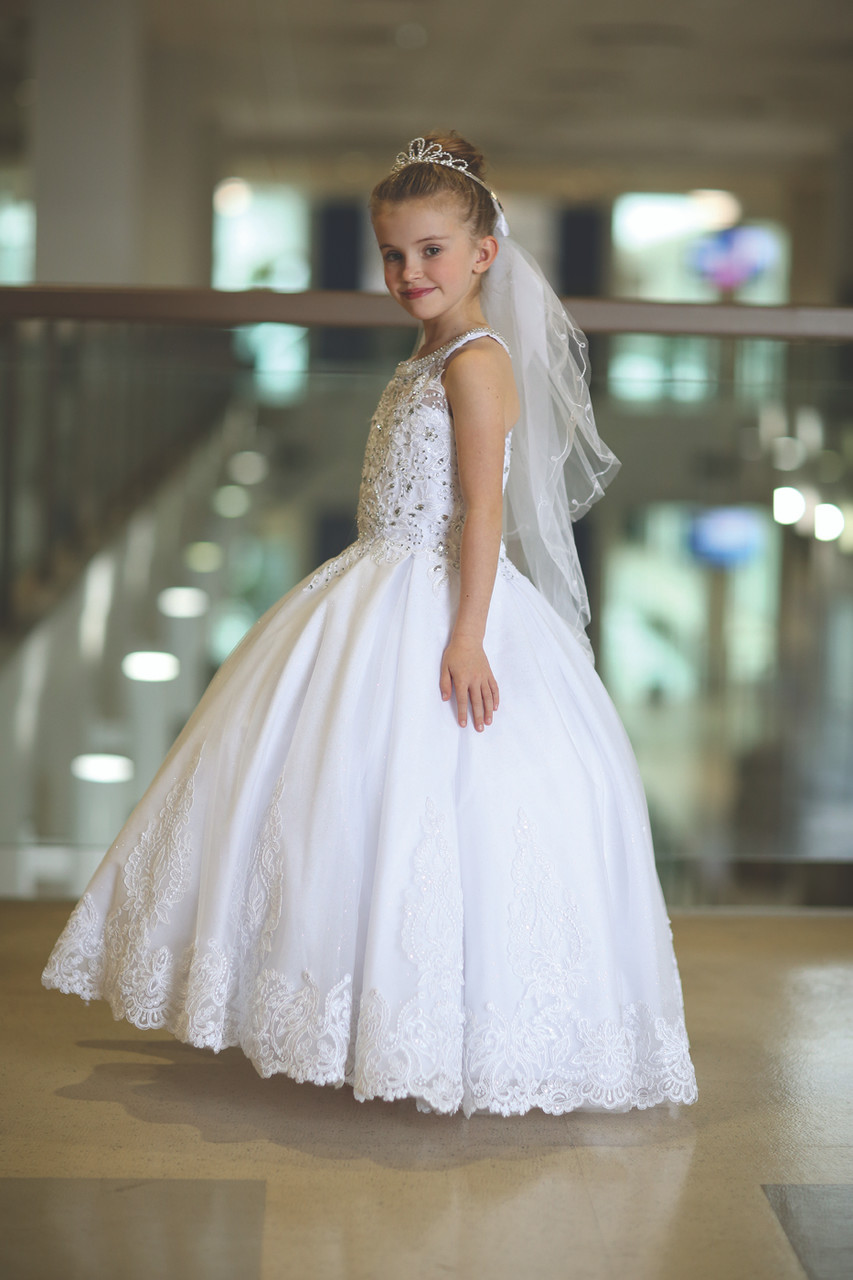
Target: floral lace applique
{"type": "Point", "coordinates": [542, 1053]}
{"type": "Point", "coordinates": [116, 960]}
{"type": "Point", "coordinates": [510, 1054]}
{"type": "Point", "coordinates": [76, 963]}
{"type": "Point", "coordinates": [299, 1031]}
{"type": "Point", "coordinates": [546, 942]}
{"type": "Point", "coordinates": [669, 1074]}
{"type": "Point", "coordinates": [203, 1010]}
{"type": "Point", "coordinates": [260, 905]}
{"type": "Point", "coordinates": [420, 1051]}
{"type": "Point", "coordinates": [141, 980]}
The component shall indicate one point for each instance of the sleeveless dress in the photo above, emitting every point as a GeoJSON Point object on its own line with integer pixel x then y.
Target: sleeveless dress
{"type": "Point", "coordinates": [330, 873]}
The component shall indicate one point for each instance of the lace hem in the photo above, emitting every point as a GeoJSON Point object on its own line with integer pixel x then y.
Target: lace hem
{"type": "Point", "coordinates": [542, 1053]}
{"type": "Point", "coordinates": [311, 1036]}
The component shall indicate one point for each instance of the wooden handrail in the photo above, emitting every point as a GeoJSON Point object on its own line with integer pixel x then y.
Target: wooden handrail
{"type": "Point", "coordinates": [227, 309]}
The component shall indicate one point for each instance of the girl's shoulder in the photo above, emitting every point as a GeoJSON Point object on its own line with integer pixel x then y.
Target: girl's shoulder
{"type": "Point", "coordinates": [482, 339]}
{"type": "Point", "coordinates": [475, 351]}
{"type": "Point", "coordinates": [481, 366]}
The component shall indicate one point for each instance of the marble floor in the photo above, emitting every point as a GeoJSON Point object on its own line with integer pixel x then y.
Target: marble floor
{"type": "Point", "coordinates": [126, 1154]}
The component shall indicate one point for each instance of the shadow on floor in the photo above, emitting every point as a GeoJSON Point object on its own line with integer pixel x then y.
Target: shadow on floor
{"type": "Point", "coordinates": [224, 1098]}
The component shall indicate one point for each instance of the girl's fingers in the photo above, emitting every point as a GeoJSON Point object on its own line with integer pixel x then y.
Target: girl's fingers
{"type": "Point", "coordinates": [476, 693]}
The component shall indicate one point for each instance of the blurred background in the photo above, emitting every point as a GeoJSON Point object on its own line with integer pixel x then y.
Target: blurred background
{"type": "Point", "coordinates": [192, 342]}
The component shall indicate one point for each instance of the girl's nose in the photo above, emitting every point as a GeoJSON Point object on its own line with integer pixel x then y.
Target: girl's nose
{"type": "Point", "coordinates": [411, 271]}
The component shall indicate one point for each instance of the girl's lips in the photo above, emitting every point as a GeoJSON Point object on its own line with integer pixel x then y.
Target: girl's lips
{"type": "Point", "coordinates": [416, 293]}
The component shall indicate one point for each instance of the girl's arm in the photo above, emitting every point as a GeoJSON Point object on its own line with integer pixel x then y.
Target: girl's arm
{"type": "Point", "coordinates": [476, 386]}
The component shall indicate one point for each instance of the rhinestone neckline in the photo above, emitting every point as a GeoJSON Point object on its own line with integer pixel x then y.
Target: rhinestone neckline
{"type": "Point", "coordinates": [431, 355]}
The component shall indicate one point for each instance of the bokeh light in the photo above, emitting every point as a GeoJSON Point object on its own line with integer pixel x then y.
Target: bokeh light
{"type": "Point", "coordinates": [789, 505]}
{"type": "Point", "coordinates": [150, 666]}
{"type": "Point", "coordinates": [183, 602]}
{"type": "Point", "coordinates": [231, 501]}
{"type": "Point", "coordinates": [102, 767]}
{"type": "Point", "coordinates": [204, 557]}
{"type": "Point", "coordinates": [232, 197]}
{"type": "Point", "coordinates": [828, 522]}
{"type": "Point", "coordinates": [248, 467]}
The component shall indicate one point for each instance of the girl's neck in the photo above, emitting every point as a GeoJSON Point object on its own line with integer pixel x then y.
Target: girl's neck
{"type": "Point", "coordinates": [444, 329]}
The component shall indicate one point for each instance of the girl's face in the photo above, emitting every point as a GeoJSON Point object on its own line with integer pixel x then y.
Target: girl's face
{"type": "Point", "coordinates": [432, 265]}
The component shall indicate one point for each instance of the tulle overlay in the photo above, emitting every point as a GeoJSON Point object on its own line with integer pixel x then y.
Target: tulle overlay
{"type": "Point", "coordinates": [331, 874]}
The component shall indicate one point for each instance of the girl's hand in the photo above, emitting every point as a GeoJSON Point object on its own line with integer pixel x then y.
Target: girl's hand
{"type": "Point", "coordinates": [465, 668]}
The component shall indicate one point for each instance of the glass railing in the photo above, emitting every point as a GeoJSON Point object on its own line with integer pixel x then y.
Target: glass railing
{"type": "Point", "coordinates": [722, 565]}
{"type": "Point", "coordinates": [93, 415]}
{"type": "Point", "coordinates": [720, 568]}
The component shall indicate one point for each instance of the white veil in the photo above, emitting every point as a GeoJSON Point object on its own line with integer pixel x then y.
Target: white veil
{"type": "Point", "coordinates": [560, 465]}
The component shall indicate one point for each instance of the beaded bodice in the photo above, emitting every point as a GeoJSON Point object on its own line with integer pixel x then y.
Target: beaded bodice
{"type": "Point", "coordinates": [410, 501]}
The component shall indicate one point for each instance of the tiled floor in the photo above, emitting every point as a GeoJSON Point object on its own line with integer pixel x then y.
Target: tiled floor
{"type": "Point", "coordinates": [127, 1154]}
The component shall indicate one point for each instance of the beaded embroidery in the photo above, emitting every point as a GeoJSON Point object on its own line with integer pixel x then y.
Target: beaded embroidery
{"type": "Point", "coordinates": [410, 501]}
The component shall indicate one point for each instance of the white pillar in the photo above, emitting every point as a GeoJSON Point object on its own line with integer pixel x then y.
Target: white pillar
{"type": "Point", "coordinates": [180, 172]}
{"type": "Point", "coordinates": [87, 141]}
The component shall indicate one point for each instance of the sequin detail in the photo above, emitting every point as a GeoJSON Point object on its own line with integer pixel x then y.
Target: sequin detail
{"type": "Point", "coordinates": [410, 501]}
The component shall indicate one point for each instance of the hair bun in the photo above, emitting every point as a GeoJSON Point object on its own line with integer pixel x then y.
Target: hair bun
{"type": "Point", "coordinates": [461, 149]}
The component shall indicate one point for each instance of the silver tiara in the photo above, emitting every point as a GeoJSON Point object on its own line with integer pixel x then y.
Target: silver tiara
{"type": "Point", "coordinates": [422, 152]}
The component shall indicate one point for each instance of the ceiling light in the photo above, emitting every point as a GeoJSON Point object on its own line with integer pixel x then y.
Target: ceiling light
{"type": "Point", "coordinates": [150, 666]}
{"type": "Point", "coordinates": [789, 505]}
{"type": "Point", "coordinates": [183, 602]}
{"type": "Point", "coordinates": [828, 522]}
{"type": "Point", "coordinates": [102, 768]}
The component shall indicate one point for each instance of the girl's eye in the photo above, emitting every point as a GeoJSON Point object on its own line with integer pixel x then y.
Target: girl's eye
{"type": "Point", "coordinates": [432, 250]}
{"type": "Point", "coordinates": [393, 256]}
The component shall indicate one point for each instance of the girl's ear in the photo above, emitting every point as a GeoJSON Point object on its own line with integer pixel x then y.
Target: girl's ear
{"type": "Point", "coordinates": [487, 251]}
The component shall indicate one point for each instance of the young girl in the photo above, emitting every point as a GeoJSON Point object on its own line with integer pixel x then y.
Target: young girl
{"type": "Point", "coordinates": [402, 842]}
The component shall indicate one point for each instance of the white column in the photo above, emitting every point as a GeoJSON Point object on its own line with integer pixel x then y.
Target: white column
{"type": "Point", "coordinates": [180, 171]}
{"type": "Point", "coordinates": [87, 144]}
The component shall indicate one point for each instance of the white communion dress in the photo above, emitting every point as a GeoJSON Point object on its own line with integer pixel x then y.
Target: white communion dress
{"type": "Point", "coordinates": [330, 873]}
